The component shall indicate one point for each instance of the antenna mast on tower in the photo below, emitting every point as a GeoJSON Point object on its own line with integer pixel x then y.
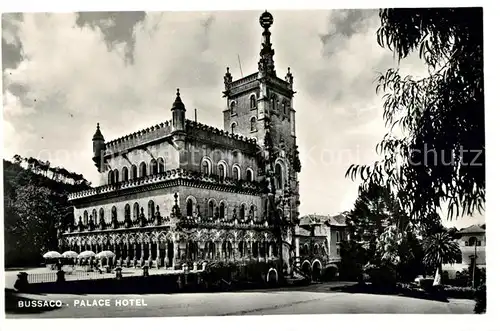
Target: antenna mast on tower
{"type": "Point", "coordinates": [240, 65]}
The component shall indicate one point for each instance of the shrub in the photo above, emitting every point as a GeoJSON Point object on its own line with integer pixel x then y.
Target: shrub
{"type": "Point", "coordinates": [329, 273]}
{"type": "Point", "coordinates": [426, 284]}
{"type": "Point", "coordinates": [459, 292]}
{"type": "Point", "coordinates": [381, 276]}
{"type": "Point", "coordinates": [480, 298]}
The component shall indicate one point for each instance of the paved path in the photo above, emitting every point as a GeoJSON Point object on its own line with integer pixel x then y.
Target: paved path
{"type": "Point", "coordinates": [242, 303]}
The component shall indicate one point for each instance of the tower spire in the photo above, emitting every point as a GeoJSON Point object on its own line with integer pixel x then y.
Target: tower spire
{"type": "Point", "coordinates": [266, 62]}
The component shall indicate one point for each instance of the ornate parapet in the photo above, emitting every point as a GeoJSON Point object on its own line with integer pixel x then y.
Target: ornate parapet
{"type": "Point", "coordinates": [174, 177]}
{"type": "Point", "coordinates": [202, 132]}
{"type": "Point", "coordinates": [139, 138]}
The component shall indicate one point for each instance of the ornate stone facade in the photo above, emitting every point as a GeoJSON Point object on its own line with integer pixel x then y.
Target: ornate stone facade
{"type": "Point", "coordinates": [182, 191]}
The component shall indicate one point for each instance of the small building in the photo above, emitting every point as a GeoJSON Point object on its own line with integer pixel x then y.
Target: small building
{"type": "Point", "coordinates": [472, 243]}
{"type": "Point", "coordinates": [318, 239]}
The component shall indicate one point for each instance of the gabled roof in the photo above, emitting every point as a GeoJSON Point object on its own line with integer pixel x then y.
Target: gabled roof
{"type": "Point", "coordinates": [473, 229]}
{"type": "Point", "coordinates": [309, 220]}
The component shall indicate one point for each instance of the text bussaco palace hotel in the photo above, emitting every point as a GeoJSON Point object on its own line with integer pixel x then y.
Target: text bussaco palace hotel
{"type": "Point", "coordinates": [183, 192]}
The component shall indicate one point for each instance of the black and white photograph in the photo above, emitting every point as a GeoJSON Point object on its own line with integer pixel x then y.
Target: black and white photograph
{"type": "Point", "coordinates": [268, 161]}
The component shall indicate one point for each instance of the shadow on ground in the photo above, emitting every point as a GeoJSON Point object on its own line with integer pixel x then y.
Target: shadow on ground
{"type": "Point", "coordinates": [384, 290]}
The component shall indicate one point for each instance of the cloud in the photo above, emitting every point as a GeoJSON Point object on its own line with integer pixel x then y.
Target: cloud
{"type": "Point", "coordinates": [69, 71]}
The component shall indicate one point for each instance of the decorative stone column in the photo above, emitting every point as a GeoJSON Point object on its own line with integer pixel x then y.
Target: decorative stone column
{"type": "Point", "coordinates": [114, 251]}
{"type": "Point", "coordinates": [219, 250]}
{"type": "Point", "coordinates": [141, 261]}
{"type": "Point", "coordinates": [127, 255]}
{"type": "Point", "coordinates": [158, 260]}
{"type": "Point", "coordinates": [166, 255]}
{"type": "Point", "coordinates": [174, 256]}
{"type": "Point", "coordinates": [149, 256]}
{"type": "Point", "coordinates": [134, 261]}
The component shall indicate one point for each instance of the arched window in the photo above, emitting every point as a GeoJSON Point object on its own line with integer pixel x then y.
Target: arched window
{"type": "Point", "coordinates": [85, 217]}
{"type": "Point", "coordinates": [117, 176]}
{"type": "Point", "coordinates": [125, 174]}
{"type": "Point", "coordinates": [232, 107]}
{"type": "Point", "coordinates": [151, 209]}
{"type": "Point", "coordinates": [236, 172]}
{"type": "Point", "coordinates": [111, 177]}
{"type": "Point", "coordinates": [127, 211]}
{"type": "Point", "coordinates": [136, 211]}
{"type": "Point", "coordinates": [253, 124]}
{"type": "Point", "coordinates": [161, 165]}
{"type": "Point", "coordinates": [113, 213]}
{"type": "Point", "coordinates": [252, 211]}
{"type": "Point", "coordinates": [284, 107]}
{"type": "Point", "coordinates": [253, 103]}
{"type": "Point", "coordinates": [472, 241]}
{"type": "Point", "coordinates": [273, 102]}
{"type": "Point", "coordinates": [279, 176]}
{"type": "Point", "coordinates": [94, 215]}
{"type": "Point", "coordinates": [249, 175]}
{"type": "Point", "coordinates": [222, 210]}
{"type": "Point", "coordinates": [242, 212]}
{"type": "Point", "coordinates": [153, 167]}
{"type": "Point", "coordinates": [233, 127]}
{"type": "Point", "coordinates": [142, 170]}
{"type": "Point", "coordinates": [134, 171]}
{"type": "Point", "coordinates": [205, 167]}
{"type": "Point", "coordinates": [211, 208]}
{"type": "Point", "coordinates": [189, 207]}
{"type": "Point", "coordinates": [101, 214]}
{"type": "Point", "coordinates": [222, 171]}
{"type": "Point", "coordinates": [316, 249]}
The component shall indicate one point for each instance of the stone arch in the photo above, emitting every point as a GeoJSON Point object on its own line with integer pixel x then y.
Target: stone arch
{"type": "Point", "coordinates": [211, 208]}
{"type": "Point", "coordinates": [143, 170]}
{"type": "Point", "coordinates": [280, 172]}
{"type": "Point", "coordinates": [236, 173]}
{"type": "Point", "coordinates": [272, 276]}
{"type": "Point", "coordinates": [233, 127]}
{"type": "Point", "coordinates": [316, 249]}
{"type": "Point", "coordinates": [191, 204]}
{"type": "Point", "coordinates": [232, 107]}
{"type": "Point", "coordinates": [223, 209]}
{"type": "Point", "coordinates": [125, 173]}
{"type": "Point", "coordinates": [222, 169]}
{"type": "Point", "coordinates": [316, 269]}
{"type": "Point", "coordinates": [206, 165]}
{"type": "Point", "coordinates": [242, 211]}
{"type": "Point", "coordinates": [253, 124]}
{"type": "Point", "coordinates": [249, 175]}
{"type": "Point", "coordinates": [253, 101]}
{"type": "Point", "coordinates": [161, 165]}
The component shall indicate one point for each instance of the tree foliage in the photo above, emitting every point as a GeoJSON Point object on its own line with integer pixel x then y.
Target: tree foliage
{"type": "Point", "coordinates": [440, 248]}
{"type": "Point", "coordinates": [440, 156]}
{"type": "Point", "coordinates": [381, 238]}
{"type": "Point", "coordinates": [36, 206]}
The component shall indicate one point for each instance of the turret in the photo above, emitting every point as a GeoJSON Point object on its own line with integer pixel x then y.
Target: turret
{"type": "Point", "coordinates": [99, 146]}
{"type": "Point", "coordinates": [178, 114]}
{"type": "Point", "coordinates": [178, 122]}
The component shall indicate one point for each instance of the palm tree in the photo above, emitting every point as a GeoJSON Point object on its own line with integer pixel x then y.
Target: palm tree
{"type": "Point", "coordinates": [440, 248]}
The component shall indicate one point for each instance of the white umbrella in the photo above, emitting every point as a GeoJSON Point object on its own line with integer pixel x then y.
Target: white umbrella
{"type": "Point", "coordinates": [70, 254]}
{"type": "Point", "coordinates": [86, 254]}
{"type": "Point", "coordinates": [52, 255]}
{"type": "Point", "coordinates": [105, 255]}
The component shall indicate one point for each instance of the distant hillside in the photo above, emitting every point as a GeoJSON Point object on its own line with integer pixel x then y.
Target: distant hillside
{"type": "Point", "coordinates": [36, 205]}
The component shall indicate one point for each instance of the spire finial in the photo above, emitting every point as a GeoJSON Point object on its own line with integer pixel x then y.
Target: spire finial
{"type": "Point", "coordinates": [227, 69]}
{"type": "Point", "coordinates": [266, 63]}
{"type": "Point", "coordinates": [98, 126]}
{"type": "Point", "coordinates": [178, 93]}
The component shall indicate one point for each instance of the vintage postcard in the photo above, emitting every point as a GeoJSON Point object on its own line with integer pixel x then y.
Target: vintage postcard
{"type": "Point", "coordinates": [245, 162]}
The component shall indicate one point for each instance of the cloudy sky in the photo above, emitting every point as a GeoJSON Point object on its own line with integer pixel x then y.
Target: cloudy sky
{"type": "Point", "coordinates": [63, 73]}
